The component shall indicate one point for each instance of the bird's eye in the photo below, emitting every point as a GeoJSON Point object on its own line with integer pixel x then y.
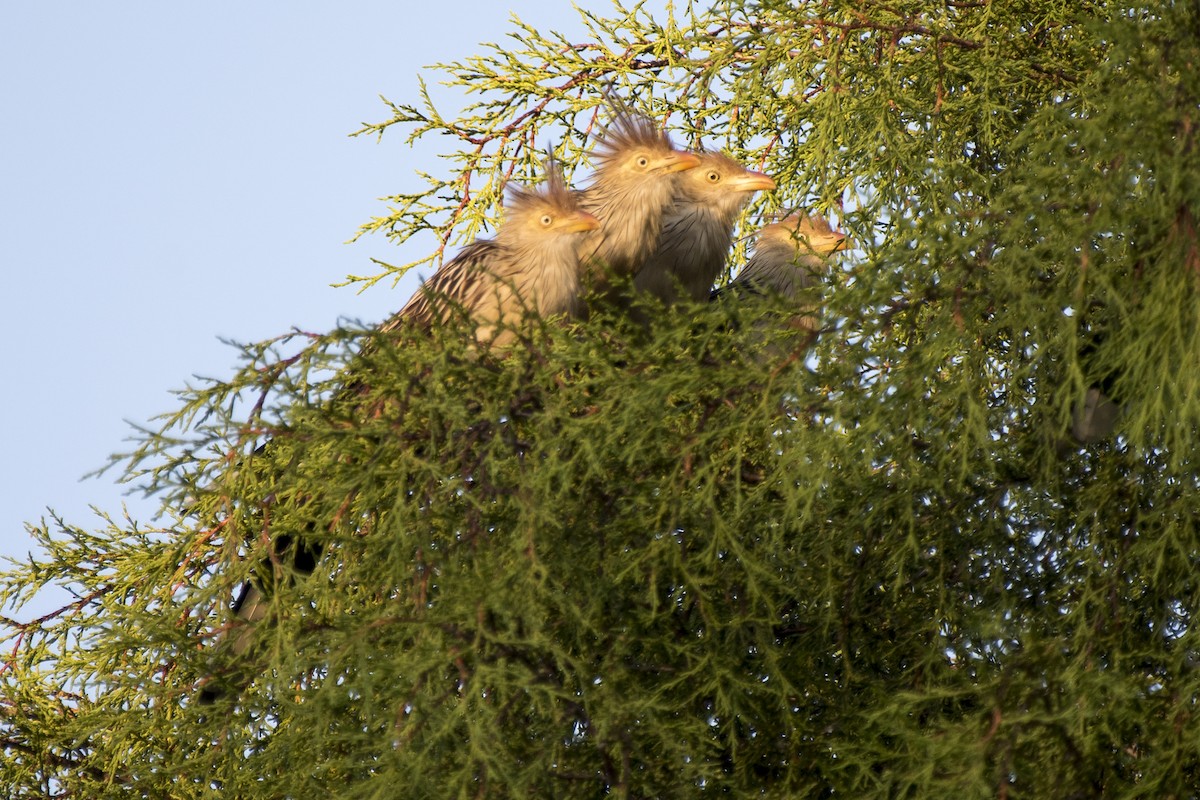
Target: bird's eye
{"type": "Point", "coordinates": [547, 220]}
{"type": "Point", "coordinates": [643, 162]}
{"type": "Point", "coordinates": [713, 176]}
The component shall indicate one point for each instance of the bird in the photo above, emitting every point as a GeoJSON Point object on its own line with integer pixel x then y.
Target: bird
{"type": "Point", "coordinates": [1095, 418]}
{"type": "Point", "coordinates": [632, 187]}
{"type": "Point", "coordinates": [697, 230]}
{"type": "Point", "coordinates": [530, 265]}
{"type": "Point", "coordinates": [788, 255]}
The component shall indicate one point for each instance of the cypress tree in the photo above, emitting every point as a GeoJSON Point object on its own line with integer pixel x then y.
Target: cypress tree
{"type": "Point", "coordinates": [702, 555]}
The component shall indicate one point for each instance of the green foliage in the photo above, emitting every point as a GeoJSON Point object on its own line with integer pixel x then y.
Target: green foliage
{"type": "Point", "coordinates": [701, 558]}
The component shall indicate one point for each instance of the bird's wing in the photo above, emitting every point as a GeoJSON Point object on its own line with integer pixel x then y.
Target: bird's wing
{"type": "Point", "coordinates": [462, 281]}
{"type": "Point", "coordinates": [738, 288]}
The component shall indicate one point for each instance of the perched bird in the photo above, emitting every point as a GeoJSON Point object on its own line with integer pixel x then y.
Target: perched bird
{"type": "Point", "coordinates": [632, 188]}
{"type": "Point", "coordinates": [787, 257]}
{"type": "Point", "coordinates": [530, 265]}
{"type": "Point", "coordinates": [697, 230]}
{"type": "Point", "coordinates": [250, 607]}
{"type": "Point", "coordinates": [1095, 418]}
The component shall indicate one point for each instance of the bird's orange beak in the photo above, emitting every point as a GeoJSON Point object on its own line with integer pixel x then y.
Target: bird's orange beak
{"type": "Point", "coordinates": [578, 221]}
{"type": "Point", "coordinates": [677, 161]}
{"type": "Point", "coordinates": [753, 182]}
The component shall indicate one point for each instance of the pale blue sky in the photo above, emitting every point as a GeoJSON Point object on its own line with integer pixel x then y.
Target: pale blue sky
{"type": "Point", "coordinates": [174, 173]}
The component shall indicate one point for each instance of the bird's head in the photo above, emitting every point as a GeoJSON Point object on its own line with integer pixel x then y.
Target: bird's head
{"type": "Point", "coordinates": [806, 234]}
{"type": "Point", "coordinates": [719, 181]}
{"type": "Point", "coordinates": [549, 209]}
{"type": "Point", "coordinates": [633, 149]}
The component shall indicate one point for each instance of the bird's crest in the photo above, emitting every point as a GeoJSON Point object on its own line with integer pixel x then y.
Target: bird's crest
{"type": "Point", "coordinates": [552, 191]}
{"type": "Point", "coordinates": [630, 130]}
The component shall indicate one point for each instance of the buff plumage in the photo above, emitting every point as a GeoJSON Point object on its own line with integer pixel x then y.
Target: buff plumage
{"type": "Point", "coordinates": [530, 266]}
{"type": "Point", "coordinates": [697, 230]}
{"type": "Point", "coordinates": [633, 187]}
